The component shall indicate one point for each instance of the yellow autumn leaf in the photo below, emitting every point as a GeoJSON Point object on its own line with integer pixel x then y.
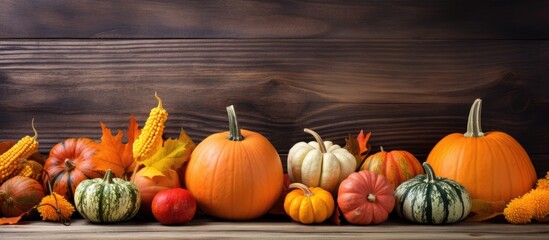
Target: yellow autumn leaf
{"type": "Point", "coordinates": [172, 155]}
{"type": "Point", "coordinates": [483, 210]}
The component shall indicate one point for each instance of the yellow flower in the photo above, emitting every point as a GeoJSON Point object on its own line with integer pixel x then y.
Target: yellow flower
{"type": "Point", "coordinates": [55, 207]}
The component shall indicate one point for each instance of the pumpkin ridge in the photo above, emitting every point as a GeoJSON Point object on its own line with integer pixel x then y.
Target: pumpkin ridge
{"type": "Point", "coordinates": [83, 213]}
{"type": "Point", "coordinates": [445, 201]}
{"type": "Point", "coordinates": [405, 193]}
{"type": "Point", "coordinates": [250, 173]}
{"type": "Point", "coordinates": [100, 206]}
{"type": "Point", "coordinates": [214, 174]}
{"type": "Point", "coordinates": [459, 196]}
{"type": "Point", "coordinates": [514, 160]}
{"type": "Point", "coordinates": [429, 209]}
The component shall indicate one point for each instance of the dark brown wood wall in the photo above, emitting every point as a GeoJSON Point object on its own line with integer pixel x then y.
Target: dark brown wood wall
{"type": "Point", "coordinates": [405, 70]}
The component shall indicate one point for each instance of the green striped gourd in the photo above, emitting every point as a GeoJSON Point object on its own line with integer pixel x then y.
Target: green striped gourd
{"type": "Point", "coordinates": [428, 199]}
{"type": "Point", "coordinates": [107, 200]}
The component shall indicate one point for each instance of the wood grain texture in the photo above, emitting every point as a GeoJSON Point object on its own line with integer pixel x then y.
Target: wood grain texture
{"type": "Point", "coordinates": [271, 229]}
{"type": "Point", "coordinates": [409, 93]}
{"type": "Point", "coordinates": [396, 19]}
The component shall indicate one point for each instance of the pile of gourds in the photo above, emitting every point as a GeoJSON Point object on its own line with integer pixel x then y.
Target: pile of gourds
{"type": "Point", "coordinates": [238, 175]}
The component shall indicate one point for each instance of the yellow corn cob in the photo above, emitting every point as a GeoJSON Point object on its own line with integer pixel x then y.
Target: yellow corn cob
{"type": "Point", "coordinates": [29, 168]}
{"type": "Point", "coordinates": [10, 160]}
{"type": "Point", "coordinates": [150, 138]}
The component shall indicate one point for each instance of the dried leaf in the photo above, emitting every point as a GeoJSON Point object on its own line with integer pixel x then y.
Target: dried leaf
{"type": "Point", "coordinates": [358, 146]}
{"type": "Point", "coordinates": [12, 220]}
{"type": "Point", "coordinates": [363, 143]}
{"type": "Point", "coordinates": [351, 144]}
{"type": "Point", "coordinates": [483, 210]}
{"type": "Point", "coordinates": [172, 155]}
{"type": "Point", "coordinates": [115, 155]}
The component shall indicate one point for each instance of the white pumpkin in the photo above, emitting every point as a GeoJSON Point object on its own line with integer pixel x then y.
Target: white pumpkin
{"type": "Point", "coordinates": [320, 164]}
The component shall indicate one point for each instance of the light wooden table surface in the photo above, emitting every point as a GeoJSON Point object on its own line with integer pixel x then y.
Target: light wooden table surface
{"type": "Point", "coordinates": [205, 228]}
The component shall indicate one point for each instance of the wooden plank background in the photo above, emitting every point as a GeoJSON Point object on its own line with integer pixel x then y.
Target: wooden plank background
{"type": "Point", "coordinates": [407, 71]}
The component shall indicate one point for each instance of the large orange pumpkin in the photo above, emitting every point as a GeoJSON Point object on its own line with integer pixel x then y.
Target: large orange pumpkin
{"type": "Point", "coordinates": [492, 166]}
{"type": "Point", "coordinates": [235, 175]}
{"type": "Point", "coordinates": [69, 163]}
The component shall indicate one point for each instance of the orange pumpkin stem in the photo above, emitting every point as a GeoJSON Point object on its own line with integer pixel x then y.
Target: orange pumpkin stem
{"type": "Point", "coordinates": [381, 148]}
{"type": "Point", "coordinates": [234, 130]}
{"type": "Point", "coordinates": [473, 124]}
{"type": "Point", "coordinates": [69, 165]}
{"type": "Point", "coordinates": [302, 187]}
{"type": "Point", "coordinates": [317, 138]}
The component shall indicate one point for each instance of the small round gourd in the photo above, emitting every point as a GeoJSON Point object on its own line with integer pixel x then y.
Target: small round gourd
{"type": "Point", "coordinates": [107, 200]}
{"type": "Point", "coordinates": [18, 195]}
{"type": "Point", "coordinates": [428, 199]}
{"type": "Point", "coordinates": [366, 198]}
{"type": "Point", "coordinates": [396, 165]}
{"type": "Point", "coordinates": [320, 163]}
{"type": "Point", "coordinates": [308, 205]}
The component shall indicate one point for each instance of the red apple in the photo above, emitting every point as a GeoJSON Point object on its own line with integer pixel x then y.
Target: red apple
{"type": "Point", "coordinates": [149, 187]}
{"type": "Point", "coordinates": [174, 206]}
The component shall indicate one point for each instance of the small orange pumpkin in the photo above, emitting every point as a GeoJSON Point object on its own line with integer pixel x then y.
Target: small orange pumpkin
{"type": "Point", "coordinates": [492, 166]}
{"type": "Point", "coordinates": [69, 163]}
{"type": "Point", "coordinates": [235, 175]}
{"type": "Point", "coordinates": [397, 165]}
{"type": "Point", "coordinates": [308, 205]}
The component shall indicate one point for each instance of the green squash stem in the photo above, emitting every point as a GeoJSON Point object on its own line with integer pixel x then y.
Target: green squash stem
{"type": "Point", "coordinates": [473, 123]}
{"type": "Point", "coordinates": [317, 138]}
{"type": "Point", "coordinates": [429, 172]}
{"type": "Point", "coordinates": [108, 177]}
{"type": "Point", "coordinates": [234, 130]}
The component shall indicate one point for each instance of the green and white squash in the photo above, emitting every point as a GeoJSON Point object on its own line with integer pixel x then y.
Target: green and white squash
{"type": "Point", "coordinates": [428, 199]}
{"type": "Point", "coordinates": [107, 200]}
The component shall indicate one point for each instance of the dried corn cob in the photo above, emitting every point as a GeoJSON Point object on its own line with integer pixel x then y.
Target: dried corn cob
{"type": "Point", "coordinates": [10, 160]}
{"type": "Point", "coordinates": [29, 168]}
{"type": "Point", "coordinates": [150, 138]}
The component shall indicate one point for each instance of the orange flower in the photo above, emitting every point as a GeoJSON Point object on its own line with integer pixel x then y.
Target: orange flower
{"type": "Point", "coordinates": [55, 207]}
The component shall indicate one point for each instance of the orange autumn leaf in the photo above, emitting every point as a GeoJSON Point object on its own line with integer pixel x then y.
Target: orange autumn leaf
{"type": "Point", "coordinates": [114, 154]}
{"type": "Point", "coordinates": [363, 143]}
{"type": "Point", "coordinates": [483, 210]}
{"type": "Point", "coordinates": [12, 220]}
{"type": "Point", "coordinates": [358, 147]}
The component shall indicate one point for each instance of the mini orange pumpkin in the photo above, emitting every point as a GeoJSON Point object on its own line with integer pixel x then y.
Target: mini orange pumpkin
{"type": "Point", "coordinates": [308, 205]}
{"type": "Point", "coordinates": [492, 166]}
{"type": "Point", "coordinates": [235, 175]}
